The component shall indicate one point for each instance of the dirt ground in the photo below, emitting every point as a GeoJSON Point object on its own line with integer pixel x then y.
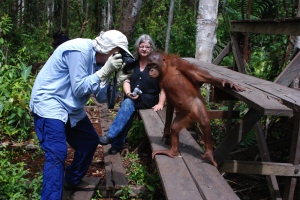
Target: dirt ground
{"type": "Point", "coordinates": [29, 153]}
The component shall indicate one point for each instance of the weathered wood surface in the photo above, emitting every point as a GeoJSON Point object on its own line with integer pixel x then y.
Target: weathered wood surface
{"type": "Point", "coordinates": [261, 168]}
{"type": "Point", "coordinates": [114, 170]}
{"type": "Point", "coordinates": [290, 72]}
{"type": "Point", "coordinates": [82, 195]}
{"type": "Point", "coordinates": [237, 55]}
{"type": "Point", "coordinates": [290, 26]}
{"type": "Point", "coordinates": [223, 114]}
{"type": "Point", "coordinates": [185, 176]}
{"type": "Point", "coordinates": [290, 184]}
{"type": "Point", "coordinates": [207, 177]}
{"type": "Point", "coordinates": [266, 97]}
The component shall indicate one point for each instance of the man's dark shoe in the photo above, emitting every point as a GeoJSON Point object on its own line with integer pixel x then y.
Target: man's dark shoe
{"type": "Point", "coordinates": [104, 140]}
{"type": "Point", "coordinates": [113, 151]}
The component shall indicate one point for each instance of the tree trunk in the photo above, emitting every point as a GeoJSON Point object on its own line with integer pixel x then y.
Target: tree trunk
{"type": "Point", "coordinates": [19, 13]}
{"type": "Point", "coordinates": [207, 23]}
{"type": "Point", "coordinates": [246, 41]}
{"type": "Point", "coordinates": [170, 19]}
{"type": "Point", "coordinates": [68, 18]}
{"type": "Point", "coordinates": [84, 24]}
{"type": "Point", "coordinates": [50, 10]}
{"type": "Point", "coordinates": [62, 13]}
{"type": "Point", "coordinates": [107, 18]}
{"type": "Point", "coordinates": [130, 16]}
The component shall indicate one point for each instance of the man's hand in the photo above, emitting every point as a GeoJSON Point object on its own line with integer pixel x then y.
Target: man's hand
{"type": "Point", "coordinates": [114, 63]}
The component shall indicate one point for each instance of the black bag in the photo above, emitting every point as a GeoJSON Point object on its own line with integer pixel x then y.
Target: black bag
{"type": "Point", "coordinates": [111, 92]}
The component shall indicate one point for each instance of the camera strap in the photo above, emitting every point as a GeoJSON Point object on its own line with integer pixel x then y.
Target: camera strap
{"type": "Point", "coordinates": [111, 92]}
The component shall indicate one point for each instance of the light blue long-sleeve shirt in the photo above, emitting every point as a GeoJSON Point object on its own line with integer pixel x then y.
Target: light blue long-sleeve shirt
{"type": "Point", "coordinates": [65, 83]}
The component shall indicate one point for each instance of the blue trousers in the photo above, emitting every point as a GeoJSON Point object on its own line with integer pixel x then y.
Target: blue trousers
{"type": "Point", "coordinates": [121, 124]}
{"type": "Point", "coordinates": [53, 135]}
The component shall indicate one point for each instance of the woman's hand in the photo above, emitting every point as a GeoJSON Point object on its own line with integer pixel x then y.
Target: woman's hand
{"type": "Point", "coordinates": [158, 107]}
{"type": "Point", "coordinates": [132, 97]}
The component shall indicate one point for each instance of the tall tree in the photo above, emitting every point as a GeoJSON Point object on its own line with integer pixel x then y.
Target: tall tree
{"type": "Point", "coordinates": [107, 15]}
{"type": "Point", "coordinates": [68, 18]}
{"type": "Point", "coordinates": [50, 10]}
{"type": "Point", "coordinates": [207, 23]}
{"type": "Point", "coordinates": [170, 19]}
{"type": "Point", "coordinates": [130, 16]}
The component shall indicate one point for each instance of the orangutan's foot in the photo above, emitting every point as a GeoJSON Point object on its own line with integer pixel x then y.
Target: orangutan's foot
{"type": "Point", "coordinates": [210, 156]}
{"type": "Point", "coordinates": [169, 153]}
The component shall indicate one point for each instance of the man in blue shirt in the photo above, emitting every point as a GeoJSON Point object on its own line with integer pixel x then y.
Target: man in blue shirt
{"type": "Point", "coordinates": [60, 92]}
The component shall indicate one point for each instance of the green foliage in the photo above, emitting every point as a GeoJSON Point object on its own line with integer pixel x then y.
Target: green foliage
{"type": "Point", "coordinates": [136, 133]}
{"type": "Point", "coordinates": [248, 140]}
{"type": "Point", "coordinates": [124, 193]}
{"type": "Point", "coordinates": [136, 171]}
{"type": "Point", "coordinates": [97, 195]}
{"type": "Point", "coordinates": [15, 88]}
{"type": "Point", "coordinates": [13, 182]}
{"type": "Point", "coordinates": [138, 174]}
{"type": "Point", "coordinates": [267, 56]}
{"type": "Point", "coordinates": [153, 21]}
{"type": "Point", "coordinates": [260, 64]}
{"type": "Point", "coordinates": [5, 27]}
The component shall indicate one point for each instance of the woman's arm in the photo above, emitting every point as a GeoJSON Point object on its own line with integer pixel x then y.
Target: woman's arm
{"type": "Point", "coordinates": [161, 101]}
{"type": "Point", "coordinates": [127, 90]}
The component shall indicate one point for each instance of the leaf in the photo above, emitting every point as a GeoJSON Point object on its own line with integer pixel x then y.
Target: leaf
{"type": "Point", "coordinates": [20, 112]}
{"type": "Point", "coordinates": [11, 121]}
{"type": "Point", "coordinates": [150, 188]}
{"type": "Point", "coordinates": [25, 71]}
{"type": "Point", "coordinates": [118, 193]}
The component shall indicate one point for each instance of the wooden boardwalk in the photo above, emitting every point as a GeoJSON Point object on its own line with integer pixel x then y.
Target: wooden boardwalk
{"type": "Point", "coordinates": [114, 170]}
{"type": "Point", "coordinates": [185, 176]}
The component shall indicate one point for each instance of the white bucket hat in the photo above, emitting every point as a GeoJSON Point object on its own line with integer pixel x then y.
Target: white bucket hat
{"type": "Point", "coordinates": [108, 40]}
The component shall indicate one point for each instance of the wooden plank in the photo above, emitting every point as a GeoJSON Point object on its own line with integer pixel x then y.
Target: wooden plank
{"type": "Point", "coordinates": [288, 96]}
{"type": "Point", "coordinates": [250, 152]}
{"type": "Point", "coordinates": [289, 26]}
{"type": "Point", "coordinates": [290, 184]}
{"type": "Point", "coordinates": [207, 177]}
{"type": "Point", "coordinates": [222, 114]}
{"type": "Point", "coordinates": [237, 55]}
{"type": "Point", "coordinates": [290, 72]}
{"type": "Point", "coordinates": [265, 155]}
{"type": "Point", "coordinates": [261, 168]}
{"type": "Point", "coordinates": [223, 53]}
{"type": "Point", "coordinates": [255, 96]}
{"type": "Point", "coordinates": [177, 180]}
{"type": "Point", "coordinates": [217, 94]}
{"type": "Point", "coordinates": [240, 129]}
{"type": "Point", "coordinates": [283, 94]}
{"type": "Point", "coordinates": [229, 117]}
{"type": "Point", "coordinates": [115, 173]}
{"type": "Point", "coordinates": [80, 195]}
